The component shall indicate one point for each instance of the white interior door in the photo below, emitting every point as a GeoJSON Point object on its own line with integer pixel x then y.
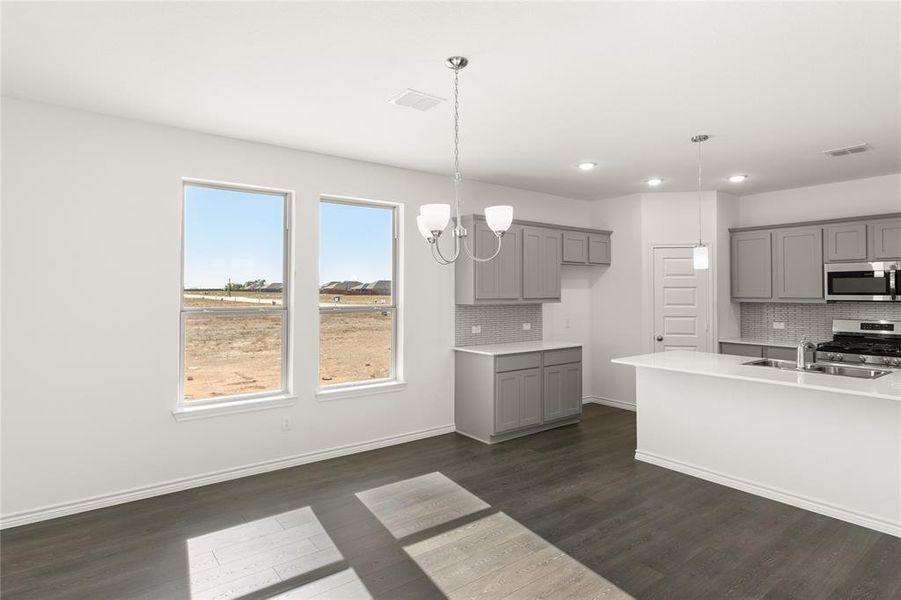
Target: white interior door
{"type": "Point", "coordinates": [680, 301]}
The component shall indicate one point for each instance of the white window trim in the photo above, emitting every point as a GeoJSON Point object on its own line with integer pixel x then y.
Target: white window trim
{"type": "Point", "coordinates": [395, 381]}
{"type": "Point", "coordinates": [221, 405]}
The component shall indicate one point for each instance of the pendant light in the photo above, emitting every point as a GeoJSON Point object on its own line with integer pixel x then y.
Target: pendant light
{"type": "Point", "coordinates": [700, 255]}
{"type": "Point", "coordinates": [434, 218]}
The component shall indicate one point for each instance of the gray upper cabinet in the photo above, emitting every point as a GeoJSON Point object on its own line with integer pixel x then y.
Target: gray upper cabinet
{"type": "Point", "coordinates": [501, 278]}
{"type": "Point", "coordinates": [798, 263]}
{"type": "Point", "coordinates": [846, 242]}
{"type": "Point", "coordinates": [885, 239]}
{"type": "Point", "coordinates": [752, 265]}
{"type": "Point", "coordinates": [541, 254]}
{"type": "Point", "coordinates": [599, 248]}
{"type": "Point", "coordinates": [528, 267]}
{"type": "Point", "coordinates": [575, 247]}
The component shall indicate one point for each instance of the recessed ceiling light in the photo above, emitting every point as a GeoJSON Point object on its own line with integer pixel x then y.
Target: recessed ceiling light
{"type": "Point", "coordinates": [587, 166]}
{"type": "Point", "coordinates": [654, 181]}
{"type": "Point", "coordinates": [738, 178]}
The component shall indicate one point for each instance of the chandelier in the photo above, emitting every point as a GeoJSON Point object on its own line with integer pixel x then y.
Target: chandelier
{"type": "Point", "coordinates": [700, 256]}
{"type": "Point", "coordinates": [433, 219]}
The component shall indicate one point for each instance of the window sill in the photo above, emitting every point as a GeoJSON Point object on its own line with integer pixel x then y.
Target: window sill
{"type": "Point", "coordinates": [355, 391]}
{"type": "Point", "coordinates": [205, 411]}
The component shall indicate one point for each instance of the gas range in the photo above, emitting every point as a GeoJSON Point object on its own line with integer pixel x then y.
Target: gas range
{"type": "Point", "coordinates": [863, 342]}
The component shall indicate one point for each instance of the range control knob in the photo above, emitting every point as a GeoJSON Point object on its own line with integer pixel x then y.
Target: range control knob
{"type": "Point", "coordinates": [862, 358]}
{"type": "Point", "coordinates": [896, 362]}
{"type": "Point", "coordinates": [830, 356]}
{"type": "Point", "coordinates": [839, 357]}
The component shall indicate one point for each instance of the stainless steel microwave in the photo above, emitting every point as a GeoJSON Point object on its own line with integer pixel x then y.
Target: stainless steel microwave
{"type": "Point", "coordinates": [867, 281]}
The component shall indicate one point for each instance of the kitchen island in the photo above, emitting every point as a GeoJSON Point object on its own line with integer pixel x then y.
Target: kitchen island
{"type": "Point", "coordinates": [826, 443]}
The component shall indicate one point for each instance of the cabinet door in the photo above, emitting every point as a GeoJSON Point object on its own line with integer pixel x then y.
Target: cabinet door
{"type": "Point", "coordinates": [507, 401]}
{"type": "Point", "coordinates": [599, 249]}
{"type": "Point", "coordinates": [550, 267]}
{"type": "Point", "coordinates": [553, 393]}
{"type": "Point", "coordinates": [798, 261]}
{"type": "Point", "coordinates": [530, 397]}
{"type": "Point", "coordinates": [575, 247]}
{"type": "Point", "coordinates": [780, 353]}
{"type": "Point", "coordinates": [572, 390]}
{"type": "Point", "coordinates": [541, 250]}
{"type": "Point", "coordinates": [886, 239]}
{"type": "Point", "coordinates": [501, 278]}
{"type": "Point", "coordinates": [846, 242]}
{"type": "Point", "coordinates": [752, 265]}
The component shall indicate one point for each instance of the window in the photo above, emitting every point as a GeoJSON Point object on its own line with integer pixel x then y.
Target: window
{"type": "Point", "coordinates": [357, 293]}
{"type": "Point", "coordinates": [234, 315]}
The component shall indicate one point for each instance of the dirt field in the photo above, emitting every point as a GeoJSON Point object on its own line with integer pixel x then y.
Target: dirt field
{"type": "Point", "coordinates": [227, 355]}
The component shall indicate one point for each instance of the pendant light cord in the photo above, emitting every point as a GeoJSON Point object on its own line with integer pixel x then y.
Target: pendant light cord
{"type": "Point", "coordinates": [700, 241]}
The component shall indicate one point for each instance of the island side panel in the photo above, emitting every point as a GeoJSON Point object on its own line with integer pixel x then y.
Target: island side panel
{"type": "Point", "coordinates": [836, 454]}
{"type": "Point", "coordinates": [474, 395]}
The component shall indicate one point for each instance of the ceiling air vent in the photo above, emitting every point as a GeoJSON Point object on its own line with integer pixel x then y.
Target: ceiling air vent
{"type": "Point", "coordinates": [418, 100]}
{"type": "Point", "coordinates": [856, 149]}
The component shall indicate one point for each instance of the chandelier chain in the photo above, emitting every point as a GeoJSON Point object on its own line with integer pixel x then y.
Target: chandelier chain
{"type": "Point", "coordinates": [457, 124]}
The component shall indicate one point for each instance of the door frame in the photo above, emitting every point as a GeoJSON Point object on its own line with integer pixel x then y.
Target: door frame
{"type": "Point", "coordinates": [649, 305]}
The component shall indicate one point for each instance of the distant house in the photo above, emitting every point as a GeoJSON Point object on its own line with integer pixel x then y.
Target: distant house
{"type": "Point", "coordinates": [382, 287]}
{"type": "Point", "coordinates": [339, 287]}
{"type": "Point", "coordinates": [273, 287]}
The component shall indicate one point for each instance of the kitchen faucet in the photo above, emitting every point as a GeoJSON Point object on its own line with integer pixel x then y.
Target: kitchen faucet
{"type": "Point", "coordinates": [803, 346]}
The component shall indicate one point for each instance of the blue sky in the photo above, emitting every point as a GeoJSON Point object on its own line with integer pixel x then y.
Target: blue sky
{"type": "Point", "coordinates": [354, 242]}
{"type": "Point", "coordinates": [239, 235]}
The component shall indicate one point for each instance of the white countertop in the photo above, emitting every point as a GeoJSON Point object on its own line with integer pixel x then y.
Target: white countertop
{"type": "Point", "coordinates": [731, 367]}
{"type": "Point", "coordinates": [763, 342]}
{"type": "Point", "coordinates": [517, 347]}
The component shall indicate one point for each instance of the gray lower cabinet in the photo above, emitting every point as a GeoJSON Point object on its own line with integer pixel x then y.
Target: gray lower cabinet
{"type": "Point", "coordinates": [562, 391]}
{"type": "Point", "coordinates": [499, 397]}
{"type": "Point", "coordinates": [885, 239]}
{"type": "Point", "coordinates": [798, 263]}
{"type": "Point", "coordinates": [846, 242]}
{"type": "Point", "coordinates": [541, 254]}
{"type": "Point", "coordinates": [752, 265]}
{"type": "Point", "coordinates": [517, 400]}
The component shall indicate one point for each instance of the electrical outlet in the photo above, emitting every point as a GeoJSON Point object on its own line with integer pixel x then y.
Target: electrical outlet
{"type": "Point", "coordinates": [477, 329]}
{"type": "Point", "coordinates": [778, 325]}
{"type": "Point", "coordinates": [526, 326]}
{"type": "Point", "coordinates": [287, 423]}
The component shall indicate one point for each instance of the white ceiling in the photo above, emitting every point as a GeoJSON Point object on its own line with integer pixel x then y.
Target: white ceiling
{"type": "Point", "coordinates": [622, 84]}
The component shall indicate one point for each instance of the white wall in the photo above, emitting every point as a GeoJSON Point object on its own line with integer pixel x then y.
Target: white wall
{"type": "Point", "coordinates": [616, 300]}
{"type": "Point", "coordinates": [869, 196]}
{"type": "Point", "coordinates": [90, 250]}
{"type": "Point", "coordinates": [622, 299]}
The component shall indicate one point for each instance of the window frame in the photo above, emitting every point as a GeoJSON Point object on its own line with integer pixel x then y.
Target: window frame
{"type": "Point", "coordinates": [395, 376]}
{"type": "Point", "coordinates": [241, 402]}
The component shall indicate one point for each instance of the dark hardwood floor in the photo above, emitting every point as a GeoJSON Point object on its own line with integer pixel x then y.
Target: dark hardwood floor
{"type": "Point", "coordinates": [651, 532]}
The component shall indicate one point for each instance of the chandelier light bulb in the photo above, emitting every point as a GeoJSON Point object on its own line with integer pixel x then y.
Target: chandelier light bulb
{"type": "Point", "coordinates": [499, 218]}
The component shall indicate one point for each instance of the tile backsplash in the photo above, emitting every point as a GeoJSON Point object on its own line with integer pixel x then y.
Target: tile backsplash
{"type": "Point", "coordinates": [500, 324]}
{"type": "Point", "coordinates": [812, 320]}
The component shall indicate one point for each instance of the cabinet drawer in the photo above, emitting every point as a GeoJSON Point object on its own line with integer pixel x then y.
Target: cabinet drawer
{"type": "Point", "coordinates": [516, 362]}
{"type": "Point", "coordinates": [561, 357]}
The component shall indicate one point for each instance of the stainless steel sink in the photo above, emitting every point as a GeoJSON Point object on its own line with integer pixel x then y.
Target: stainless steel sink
{"type": "Point", "coordinates": [825, 369]}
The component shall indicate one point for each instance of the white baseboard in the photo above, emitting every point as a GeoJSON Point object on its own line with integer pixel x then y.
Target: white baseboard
{"type": "Point", "coordinates": [811, 504]}
{"type": "Point", "coordinates": [177, 485]}
{"type": "Point", "coordinates": [608, 402]}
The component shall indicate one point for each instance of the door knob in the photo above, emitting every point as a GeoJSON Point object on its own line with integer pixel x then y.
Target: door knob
{"type": "Point", "coordinates": [659, 338]}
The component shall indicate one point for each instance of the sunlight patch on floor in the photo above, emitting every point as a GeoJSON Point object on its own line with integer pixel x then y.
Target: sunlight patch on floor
{"type": "Point", "coordinates": [491, 556]}
{"type": "Point", "coordinates": [234, 562]}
